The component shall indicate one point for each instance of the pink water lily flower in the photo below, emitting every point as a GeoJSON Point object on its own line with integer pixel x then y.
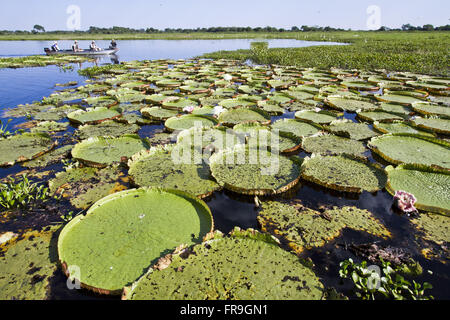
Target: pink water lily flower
{"type": "Point", "coordinates": [188, 109]}
{"type": "Point", "coordinates": [405, 201]}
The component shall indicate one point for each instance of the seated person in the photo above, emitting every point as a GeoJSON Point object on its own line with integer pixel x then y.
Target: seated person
{"type": "Point", "coordinates": [94, 47]}
{"type": "Point", "coordinates": [75, 47]}
{"type": "Point", "coordinates": [113, 44]}
{"type": "Point", "coordinates": [55, 46]}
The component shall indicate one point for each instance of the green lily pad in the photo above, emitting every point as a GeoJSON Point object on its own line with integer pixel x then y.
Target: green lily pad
{"type": "Point", "coordinates": [349, 105]}
{"type": "Point", "coordinates": [188, 121]}
{"type": "Point", "coordinates": [254, 172]}
{"type": "Point", "coordinates": [102, 101]}
{"type": "Point", "coordinates": [28, 264]}
{"type": "Point", "coordinates": [179, 104]}
{"type": "Point", "coordinates": [320, 117]}
{"type": "Point", "coordinates": [165, 167]}
{"type": "Point", "coordinates": [235, 116]}
{"type": "Point", "coordinates": [405, 100]}
{"type": "Point", "coordinates": [103, 151]}
{"type": "Point", "coordinates": [216, 138]}
{"type": "Point", "coordinates": [343, 173]}
{"type": "Point", "coordinates": [398, 148]}
{"type": "Point", "coordinates": [49, 158]}
{"type": "Point", "coordinates": [94, 115]}
{"type": "Point", "coordinates": [125, 233]}
{"type": "Point", "coordinates": [158, 114]}
{"type": "Point", "coordinates": [433, 124]}
{"type": "Point", "coordinates": [107, 128]}
{"type": "Point", "coordinates": [84, 186]}
{"type": "Point", "coordinates": [398, 127]}
{"type": "Point", "coordinates": [50, 126]}
{"type": "Point", "coordinates": [245, 266]}
{"type": "Point", "coordinates": [435, 227]}
{"type": "Point", "coordinates": [236, 103]}
{"type": "Point", "coordinates": [303, 228]}
{"type": "Point", "coordinates": [427, 108]}
{"type": "Point", "coordinates": [380, 116]}
{"type": "Point", "coordinates": [27, 146]}
{"type": "Point", "coordinates": [395, 108]}
{"type": "Point", "coordinates": [431, 187]}
{"type": "Point", "coordinates": [327, 144]}
{"type": "Point", "coordinates": [350, 129]}
{"type": "Point", "coordinates": [297, 127]}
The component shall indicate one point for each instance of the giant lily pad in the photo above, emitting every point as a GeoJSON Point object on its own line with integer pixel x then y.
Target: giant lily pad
{"type": "Point", "coordinates": [216, 138]}
{"type": "Point", "coordinates": [245, 266]}
{"type": "Point", "coordinates": [157, 113]}
{"type": "Point", "coordinates": [85, 186]}
{"type": "Point", "coordinates": [350, 129]}
{"type": "Point", "coordinates": [296, 127]}
{"type": "Point", "coordinates": [234, 116]}
{"type": "Point", "coordinates": [327, 144]}
{"type": "Point", "coordinates": [350, 105]}
{"type": "Point", "coordinates": [431, 187]}
{"type": "Point", "coordinates": [125, 233]}
{"type": "Point", "coordinates": [27, 265]}
{"type": "Point", "coordinates": [94, 115]}
{"type": "Point", "coordinates": [433, 124]}
{"type": "Point", "coordinates": [53, 156]}
{"type": "Point", "coordinates": [188, 121]}
{"type": "Point", "coordinates": [303, 228]}
{"type": "Point", "coordinates": [254, 171]}
{"type": "Point", "coordinates": [165, 167]}
{"type": "Point", "coordinates": [27, 146]}
{"type": "Point", "coordinates": [106, 129]}
{"type": "Point", "coordinates": [102, 151]}
{"type": "Point", "coordinates": [398, 127]}
{"type": "Point", "coordinates": [409, 148]}
{"type": "Point", "coordinates": [427, 108]}
{"type": "Point", "coordinates": [320, 117]}
{"type": "Point", "coordinates": [343, 173]}
{"type": "Point", "coordinates": [379, 116]}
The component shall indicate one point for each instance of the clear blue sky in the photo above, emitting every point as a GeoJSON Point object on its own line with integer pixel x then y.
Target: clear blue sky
{"type": "Point", "coordinates": [160, 14]}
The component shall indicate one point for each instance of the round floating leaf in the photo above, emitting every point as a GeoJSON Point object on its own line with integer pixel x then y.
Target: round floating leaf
{"type": "Point", "coordinates": [234, 116]}
{"type": "Point", "coordinates": [27, 265]}
{"type": "Point", "coordinates": [27, 146]}
{"type": "Point", "coordinates": [103, 151]}
{"type": "Point", "coordinates": [217, 138]}
{"type": "Point", "coordinates": [255, 172]}
{"type": "Point", "coordinates": [303, 228]}
{"type": "Point", "coordinates": [398, 127]}
{"type": "Point", "coordinates": [327, 144]}
{"type": "Point", "coordinates": [409, 148]}
{"type": "Point", "coordinates": [434, 226]}
{"type": "Point", "coordinates": [350, 105]}
{"type": "Point", "coordinates": [50, 126]}
{"type": "Point", "coordinates": [179, 104]}
{"type": "Point", "coordinates": [235, 103]}
{"type": "Point", "coordinates": [94, 115]}
{"type": "Point", "coordinates": [343, 173]}
{"type": "Point", "coordinates": [188, 121]}
{"type": "Point", "coordinates": [85, 186]}
{"type": "Point", "coordinates": [405, 100]}
{"type": "Point", "coordinates": [350, 129]}
{"type": "Point", "coordinates": [433, 124]}
{"type": "Point", "coordinates": [379, 116]}
{"type": "Point", "coordinates": [431, 187]}
{"type": "Point", "coordinates": [245, 266]}
{"type": "Point", "coordinates": [296, 127]}
{"type": "Point", "coordinates": [395, 108]}
{"type": "Point", "coordinates": [321, 117]}
{"type": "Point", "coordinates": [106, 129]}
{"type": "Point", "coordinates": [359, 85]}
{"type": "Point", "coordinates": [167, 167]}
{"type": "Point", "coordinates": [49, 157]}
{"type": "Point", "coordinates": [427, 108]}
{"type": "Point", "coordinates": [125, 233]}
{"type": "Point", "coordinates": [157, 113]}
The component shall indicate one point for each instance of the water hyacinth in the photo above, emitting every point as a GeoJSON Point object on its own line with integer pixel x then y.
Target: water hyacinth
{"type": "Point", "coordinates": [405, 201]}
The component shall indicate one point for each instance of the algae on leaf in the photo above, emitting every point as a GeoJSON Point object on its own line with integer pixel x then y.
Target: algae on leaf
{"type": "Point", "coordinates": [343, 173]}
{"type": "Point", "coordinates": [125, 233]}
{"type": "Point", "coordinates": [303, 228]}
{"type": "Point", "coordinates": [27, 264]}
{"type": "Point", "coordinates": [245, 266]}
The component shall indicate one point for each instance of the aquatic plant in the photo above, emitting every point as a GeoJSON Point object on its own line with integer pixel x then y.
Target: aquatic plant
{"type": "Point", "coordinates": [388, 284]}
{"type": "Point", "coordinates": [4, 129]}
{"type": "Point", "coordinates": [405, 201]}
{"type": "Point", "coordinates": [17, 193]}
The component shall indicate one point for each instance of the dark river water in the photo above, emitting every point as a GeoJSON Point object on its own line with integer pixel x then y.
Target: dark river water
{"type": "Point", "coordinates": [18, 86]}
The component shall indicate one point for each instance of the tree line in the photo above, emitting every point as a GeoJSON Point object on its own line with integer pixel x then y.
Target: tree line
{"type": "Point", "coordinates": [123, 30]}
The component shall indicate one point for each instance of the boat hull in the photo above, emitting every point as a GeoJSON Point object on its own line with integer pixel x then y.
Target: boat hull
{"type": "Point", "coordinates": [81, 53]}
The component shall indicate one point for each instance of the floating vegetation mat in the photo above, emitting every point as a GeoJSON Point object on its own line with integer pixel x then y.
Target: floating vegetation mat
{"type": "Point", "coordinates": [247, 265]}
{"type": "Point", "coordinates": [125, 233]}
{"type": "Point", "coordinates": [299, 152]}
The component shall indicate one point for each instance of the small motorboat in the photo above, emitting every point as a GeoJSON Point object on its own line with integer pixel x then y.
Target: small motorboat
{"type": "Point", "coordinates": [50, 52]}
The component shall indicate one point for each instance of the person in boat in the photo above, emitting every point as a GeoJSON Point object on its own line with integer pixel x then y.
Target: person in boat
{"type": "Point", "coordinates": [94, 47]}
{"type": "Point", "coordinates": [113, 44]}
{"type": "Point", "coordinates": [55, 46]}
{"type": "Point", "coordinates": [75, 47]}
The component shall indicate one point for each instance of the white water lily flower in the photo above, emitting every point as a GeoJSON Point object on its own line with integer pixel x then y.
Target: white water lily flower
{"type": "Point", "coordinates": [188, 109]}
{"type": "Point", "coordinates": [227, 77]}
{"type": "Point", "coordinates": [317, 109]}
{"type": "Point", "coordinates": [218, 110]}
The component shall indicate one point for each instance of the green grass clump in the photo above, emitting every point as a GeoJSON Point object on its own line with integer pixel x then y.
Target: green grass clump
{"type": "Point", "coordinates": [17, 193]}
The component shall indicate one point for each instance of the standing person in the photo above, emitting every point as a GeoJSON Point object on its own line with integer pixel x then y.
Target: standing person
{"type": "Point", "coordinates": [75, 47]}
{"type": "Point", "coordinates": [55, 46]}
